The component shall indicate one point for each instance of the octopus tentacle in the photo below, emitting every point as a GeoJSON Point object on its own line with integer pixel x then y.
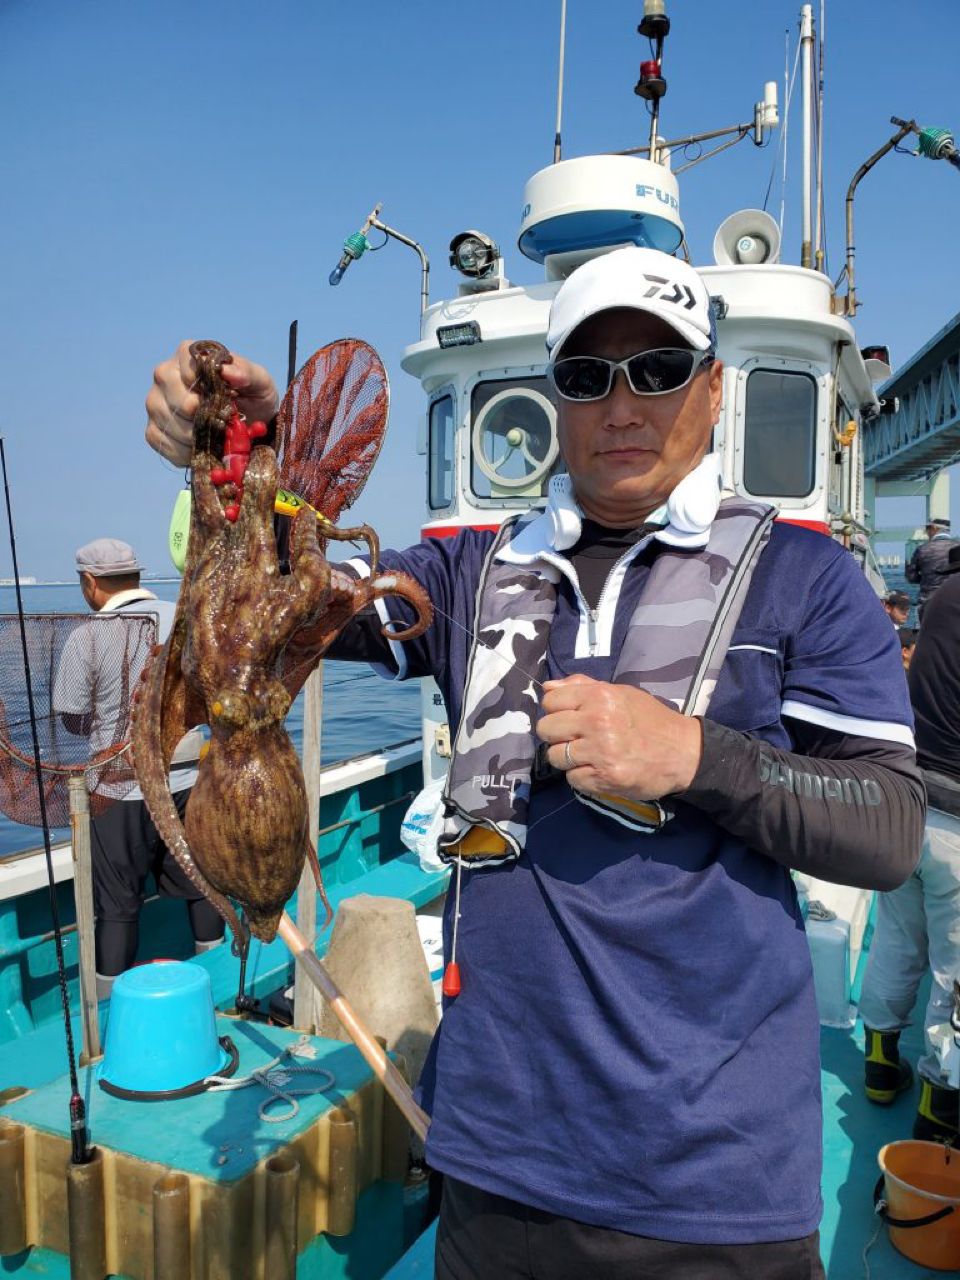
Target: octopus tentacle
{"type": "Point", "coordinates": [309, 570]}
{"type": "Point", "coordinates": [315, 868]}
{"type": "Point", "coordinates": [260, 484]}
{"type": "Point", "coordinates": [355, 534]}
{"type": "Point", "coordinates": [206, 512]}
{"type": "Point", "coordinates": [152, 765]}
{"type": "Point", "coordinates": [402, 585]}
{"type": "Point", "coordinates": [210, 357]}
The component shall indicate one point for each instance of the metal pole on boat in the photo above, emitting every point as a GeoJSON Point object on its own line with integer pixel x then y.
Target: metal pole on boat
{"type": "Point", "coordinates": [306, 1016]}
{"type": "Point", "coordinates": [906, 126]}
{"type": "Point", "coordinates": [563, 45]}
{"type": "Point", "coordinates": [936, 143]}
{"type": "Point", "coordinates": [83, 899]}
{"type": "Point", "coordinates": [356, 1029]}
{"type": "Point", "coordinates": [818, 254]}
{"type": "Point", "coordinates": [651, 86]}
{"type": "Point", "coordinates": [418, 250]}
{"type": "Point", "coordinates": [806, 84]}
{"type": "Point", "coordinates": [356, 245]}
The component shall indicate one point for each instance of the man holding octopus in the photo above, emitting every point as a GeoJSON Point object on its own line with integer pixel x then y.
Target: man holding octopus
{"type": "Point", "coordinates": [663, 701]}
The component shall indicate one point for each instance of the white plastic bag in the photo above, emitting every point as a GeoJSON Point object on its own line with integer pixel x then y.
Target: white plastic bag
{"type": "Point", "coordinates": [423, 823]}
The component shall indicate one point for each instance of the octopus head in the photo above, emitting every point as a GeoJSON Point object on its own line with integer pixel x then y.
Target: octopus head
{"type": "Point", "coordinates": [264, 702]}
{"type": "Point", "coordinates": [231, 709]}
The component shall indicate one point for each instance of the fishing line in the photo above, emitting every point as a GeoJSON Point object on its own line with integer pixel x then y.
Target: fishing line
{"type": "Point", "coordinates": [486, 644]}
{"type": "Point", "coordinates": [80, 1150]}
{"type": "Point", "coordinates": [490, 647]}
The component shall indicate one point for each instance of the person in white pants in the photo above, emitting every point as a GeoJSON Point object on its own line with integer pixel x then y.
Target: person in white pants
{"type": "Point", "coordinates": [918, 924]}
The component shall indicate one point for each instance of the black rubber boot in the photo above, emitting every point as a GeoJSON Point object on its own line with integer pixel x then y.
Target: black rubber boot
{"type": "Point", "coordinates": [938, 1114]}
{"type": "Point", "coordinates": [885, 1075]}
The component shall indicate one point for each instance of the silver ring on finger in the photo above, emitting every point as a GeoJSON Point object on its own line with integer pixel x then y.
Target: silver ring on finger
{"type": "Point", "coordinates": [568, 760]}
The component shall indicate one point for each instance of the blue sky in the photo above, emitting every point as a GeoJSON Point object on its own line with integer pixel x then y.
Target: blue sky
{"type": "Point", "coordinates": [183, 170]}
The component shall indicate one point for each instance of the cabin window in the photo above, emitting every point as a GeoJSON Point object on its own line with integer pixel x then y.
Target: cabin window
{"type": "Point", "coordinates": [780, 434]}
{"type": "Point", "coordinates": [441, 451]}
{"type": "Point", "coordinates": [513, 437]}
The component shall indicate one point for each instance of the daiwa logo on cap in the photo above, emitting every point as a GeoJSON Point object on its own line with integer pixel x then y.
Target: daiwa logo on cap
{"type": "Point", "coordinates": [677, 293]}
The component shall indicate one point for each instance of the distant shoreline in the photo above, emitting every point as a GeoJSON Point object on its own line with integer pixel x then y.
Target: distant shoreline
{"type": "Point", "coordinates": [72, 582]}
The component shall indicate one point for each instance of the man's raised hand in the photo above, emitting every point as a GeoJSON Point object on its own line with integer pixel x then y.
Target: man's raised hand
{"type": "Point", "coordinates": [172, 402]}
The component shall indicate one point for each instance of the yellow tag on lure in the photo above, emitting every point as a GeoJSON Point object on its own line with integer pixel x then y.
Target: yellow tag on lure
{"type": "Point", "coordinates": [291, 504]}
{"type": "Point", "coordinates": [285, 504]}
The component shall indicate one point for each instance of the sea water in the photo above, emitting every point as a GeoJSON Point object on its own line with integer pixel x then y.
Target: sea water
{"type": "Point", "coordinates": [361, 710]}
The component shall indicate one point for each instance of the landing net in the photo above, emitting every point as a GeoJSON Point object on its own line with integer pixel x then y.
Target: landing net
{"type": "Point", "coordinates": [85, 668]}
{"type": "Point", "coordinates": [331, 423]}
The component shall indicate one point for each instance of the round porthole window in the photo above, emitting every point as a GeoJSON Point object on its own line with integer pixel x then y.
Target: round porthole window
{"type": "Point", "coordinates": [515, 438]}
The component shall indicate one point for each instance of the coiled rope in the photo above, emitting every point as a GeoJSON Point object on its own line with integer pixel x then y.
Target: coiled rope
{"type": "Point", "coordinates": [275, 1077]}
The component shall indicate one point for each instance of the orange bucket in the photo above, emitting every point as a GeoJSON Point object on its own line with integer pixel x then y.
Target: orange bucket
{"type": "Point", "coordinates": [921, 1201]}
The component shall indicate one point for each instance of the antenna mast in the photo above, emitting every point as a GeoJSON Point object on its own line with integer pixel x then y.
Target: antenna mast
{"type": "Point", "coordinates": [651, 85]}
{"type": "Point", "coordinates": [820, 238]}
{"type": "Point", "coordinates": [563, 45]}
{"type": "Point", "coordinates": [806, 75]}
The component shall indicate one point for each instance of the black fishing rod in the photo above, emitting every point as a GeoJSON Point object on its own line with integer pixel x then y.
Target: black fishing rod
{"type": "Point", "coordinates": [292, 352]}
{"type": "Point", "coordinates": [80, 1152]}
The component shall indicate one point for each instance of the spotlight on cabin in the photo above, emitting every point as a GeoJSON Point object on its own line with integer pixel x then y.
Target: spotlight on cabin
{"type": "Point", "coordinates": [877, 361]}
{"type": "Point", "coordinates": [876, 353]}
{"type": "Point", "coordinates": [473, 254]}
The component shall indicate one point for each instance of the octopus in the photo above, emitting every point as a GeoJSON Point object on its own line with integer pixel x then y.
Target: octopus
{"type": "Point", "coordinates": [244, 637]}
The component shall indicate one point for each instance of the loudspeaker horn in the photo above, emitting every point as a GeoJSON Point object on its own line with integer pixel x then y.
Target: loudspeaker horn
{"type": "Point", "coordinates": [748, 237]}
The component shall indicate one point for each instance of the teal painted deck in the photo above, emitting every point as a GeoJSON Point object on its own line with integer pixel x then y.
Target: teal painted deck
{"type": "Point", "coordinates": [269, 969]}
{"type": "Point", "coordinates": [417, 1262]}
{"type": "Point", "coordinates": [217, 1135]}
{"type": "Point", "coordinates": [854, 1129]}
{"type": "Point", "coordinates": [195, 1137]}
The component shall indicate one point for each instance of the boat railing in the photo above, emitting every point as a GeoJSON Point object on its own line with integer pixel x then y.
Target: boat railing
{"type": "Point", "coordinates": [363, 801]}
{"type": "Point", "coordinates": [333, 777]}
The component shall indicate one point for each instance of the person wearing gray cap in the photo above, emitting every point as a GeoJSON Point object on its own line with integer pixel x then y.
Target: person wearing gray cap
{"type": "Point", "coordinates": [928, 564]}
{"type": "Point", "coordinates": [98, 669]}
{"type": "Point", "coordinates": [661, 700]}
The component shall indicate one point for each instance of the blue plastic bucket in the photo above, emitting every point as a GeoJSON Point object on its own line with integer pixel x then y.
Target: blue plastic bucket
{"type": "Point", "coordinates": [162, 1033]}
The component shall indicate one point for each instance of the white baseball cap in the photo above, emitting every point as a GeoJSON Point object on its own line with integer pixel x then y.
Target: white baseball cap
{"type": "Point", "coordinates": [641, 280]}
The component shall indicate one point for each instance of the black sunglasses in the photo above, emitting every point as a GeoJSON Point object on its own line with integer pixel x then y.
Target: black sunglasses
{"type": "Point", "coordinates": [650, 373]}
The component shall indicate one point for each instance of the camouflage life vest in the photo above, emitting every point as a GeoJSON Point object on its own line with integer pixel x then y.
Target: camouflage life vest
{"type": "Point", "coordinates": [675, 645]}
